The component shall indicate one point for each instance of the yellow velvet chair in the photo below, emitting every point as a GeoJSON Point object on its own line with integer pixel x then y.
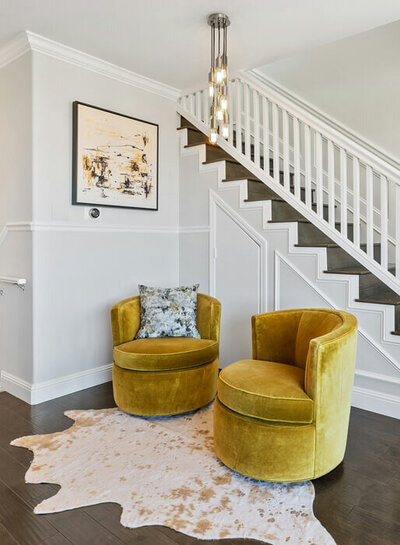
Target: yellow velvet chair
{"type": "Point", "coordinates": [283, 416]}
{"type": "Point", "coordinates": [164, 376]}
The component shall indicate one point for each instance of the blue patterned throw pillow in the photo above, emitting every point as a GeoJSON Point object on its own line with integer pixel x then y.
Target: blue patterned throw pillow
{"type": "Point", "coordinates": [168, 312]}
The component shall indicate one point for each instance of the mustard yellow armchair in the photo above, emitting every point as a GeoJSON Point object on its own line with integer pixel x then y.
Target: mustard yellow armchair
{"type": "Point", "coordinates": [169, 375]}
{"type": "Point", "coordinates": [283, 416]}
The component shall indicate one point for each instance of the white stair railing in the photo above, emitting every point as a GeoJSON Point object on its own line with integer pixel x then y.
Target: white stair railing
{"type": "Point", "coordinates": [342, 187]}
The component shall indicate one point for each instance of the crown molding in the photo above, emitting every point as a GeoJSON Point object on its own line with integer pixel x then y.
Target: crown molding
{"type": "Point", "coordinates": [29, 41]}
{"type": "Point", "coordinates": [14, 49]}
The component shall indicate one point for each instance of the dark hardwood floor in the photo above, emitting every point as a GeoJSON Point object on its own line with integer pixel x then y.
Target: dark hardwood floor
{"type": "Point", "coordinates": [358, 503]}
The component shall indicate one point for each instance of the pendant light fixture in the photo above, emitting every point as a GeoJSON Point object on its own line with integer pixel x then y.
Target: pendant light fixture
{"type": "Point", "coordinates": [218, 76]}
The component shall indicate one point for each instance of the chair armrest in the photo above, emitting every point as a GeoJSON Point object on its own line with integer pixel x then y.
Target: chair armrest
{"type": "Point", "coordinates": [274, 335]}
{"type": "Point", "coordinates": [329, 376]}
{"type": "Point", "coordinates": [125, 320]}
{"type": "Point", "coordinates": [208, 317]}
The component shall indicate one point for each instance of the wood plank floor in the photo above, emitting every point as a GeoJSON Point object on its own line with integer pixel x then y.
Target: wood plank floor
{"type": "Point", "coordinates": [359, 502]}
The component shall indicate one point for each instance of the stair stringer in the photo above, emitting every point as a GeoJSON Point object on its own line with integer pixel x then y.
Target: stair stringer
{"type": "Point", "coordinates": [375, 321]}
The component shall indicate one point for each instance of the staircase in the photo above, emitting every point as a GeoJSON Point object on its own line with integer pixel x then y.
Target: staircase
{"type": "Point", "coordinates": [371, 288]}
{"type": "Point", "coordinates": [341, 197]}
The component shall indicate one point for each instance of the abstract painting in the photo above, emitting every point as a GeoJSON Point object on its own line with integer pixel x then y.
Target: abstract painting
{"type": "Point", "coordinates": [115, 159]}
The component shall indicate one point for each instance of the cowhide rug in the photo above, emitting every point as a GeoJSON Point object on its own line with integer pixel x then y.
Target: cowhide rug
{"type": "Point", "coordinates": [164, 471]}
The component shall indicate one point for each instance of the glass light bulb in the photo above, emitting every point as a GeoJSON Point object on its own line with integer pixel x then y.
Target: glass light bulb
{"type": "Point", "coordinates": [220, 114]}
{"type": "Point", "coordinates": [211, 90]}
{"type": "Point", "coordinates": [223, 102]}
{"type": "Point", "coordinates": [225, 131]}
{"type": "Point", "coordinates": [213, 136]}
{"type": "Point", "coordinates": [219, 76]}
{"type": "Point", "coordinates": [223, 74]}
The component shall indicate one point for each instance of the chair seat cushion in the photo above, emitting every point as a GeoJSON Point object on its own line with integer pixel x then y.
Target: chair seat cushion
{"type": "Point", "coordinates": [266, 390]}
{"type": "Point", "coordinates": [166, 353]}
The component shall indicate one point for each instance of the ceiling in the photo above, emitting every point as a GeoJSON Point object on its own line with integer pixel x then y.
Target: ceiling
{"type": "Point", "coordinates": [168, 40]}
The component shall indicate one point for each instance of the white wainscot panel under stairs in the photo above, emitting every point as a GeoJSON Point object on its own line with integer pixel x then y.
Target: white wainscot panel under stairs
{"type": "Point", "coordinates": [292, 277]}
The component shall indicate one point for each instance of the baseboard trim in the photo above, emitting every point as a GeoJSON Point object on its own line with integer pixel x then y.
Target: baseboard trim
{"type": "Point", "coordinates": [51, 389]}
{"type": "Point", "coordinates": [376, 402]}
{"type": "Point", "coordinates": [16, 386]}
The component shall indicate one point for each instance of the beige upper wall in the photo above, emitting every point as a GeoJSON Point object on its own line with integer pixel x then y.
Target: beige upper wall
{"type": "Point", "coordinates": [355, 81]}
{"type": "Point", "coordinates": [16, 141]}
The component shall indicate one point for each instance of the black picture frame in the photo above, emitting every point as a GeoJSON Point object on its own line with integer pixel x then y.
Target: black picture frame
{"type": "Point", "coordinates": [76, 157]}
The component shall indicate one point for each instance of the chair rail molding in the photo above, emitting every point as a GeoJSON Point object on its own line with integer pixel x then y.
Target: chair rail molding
{"type": "Point", "coordinates": [93, 228]}
{"type": "Point", "coordinates": [29, 41]}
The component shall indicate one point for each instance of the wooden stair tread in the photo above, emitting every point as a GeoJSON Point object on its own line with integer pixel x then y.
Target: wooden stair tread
{"type": "Point", "coordinates": [333, 245]}
{"type": "Point", "coordinates": [397, 332]}
{"type": "Point", "coordinates": [384, 298]}
{"type": "Point", "coordinates": [355, 270]}
{"type": "Point", "coordinates": [237, 178]}
{"type": "Point", "coordinates": [317, 245]}
{"type": "Point", "coordinates": [199, 144]}
{"type": "Point", "coordinates": [264, 198]}
{"type": "Point", "coordinates": [349, 270]}
{"type": "Point", "coordinates": [218, 159]}
{"type": "Point", "coordinates": [288, 220]}
{"type": "Point", "coordinates": [190, 129]}
{"type": "Point", "coordinates": [299, 220]}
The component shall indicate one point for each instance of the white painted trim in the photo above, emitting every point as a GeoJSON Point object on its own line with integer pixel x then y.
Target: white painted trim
{"type": "Point", "coordinates": [90, 228]}
{"type": "Point", "coordinates": [18, 226]}
{"type": "Point", "coordinates": [377, 402]}
{"type": "Point", "coordinates": [21, 282]}
{"type": "Point", "coordinates": [14, 49]}
{"type": "Point", "coordinates": [3, 234]}
{"type": "Point", "coordinates": [15, 386]}
{"type": "Point", "coordinates": [51, 389]}
{"type": "Point", "coordinates": [214, 202]}
{"type": "Point", "coordinates": [376, 376]}
{"type": "Point", "coordinates": [27, 41]}
{"type": "Point", "coordinates": [82, 228]}
{"type": "Point", "coordinates": [194, 229]}
{"type": "Point", "coordinates": [322, 116]}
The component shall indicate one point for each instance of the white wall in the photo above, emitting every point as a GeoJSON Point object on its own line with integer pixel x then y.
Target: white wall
{"type": "Point", "coordinates": [83, 267]}
{"type": "Point", "coordinates": [16, 141]}
{"type": "Point", "coordinates": [235, 270]}
{"type": "Point", "coordinates": [56, 336]}
{"type": "Point", "coordinates": [355, 81]}
{"type": "Point", "coordinates": [16, 206]}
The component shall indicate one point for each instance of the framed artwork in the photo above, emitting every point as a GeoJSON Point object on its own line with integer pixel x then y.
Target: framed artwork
{"type": "Point", "coordinates": [115, 159]}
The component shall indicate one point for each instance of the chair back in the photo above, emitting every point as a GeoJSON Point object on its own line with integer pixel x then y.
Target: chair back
{"type": "Point", "coordinates": [312, 324]}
